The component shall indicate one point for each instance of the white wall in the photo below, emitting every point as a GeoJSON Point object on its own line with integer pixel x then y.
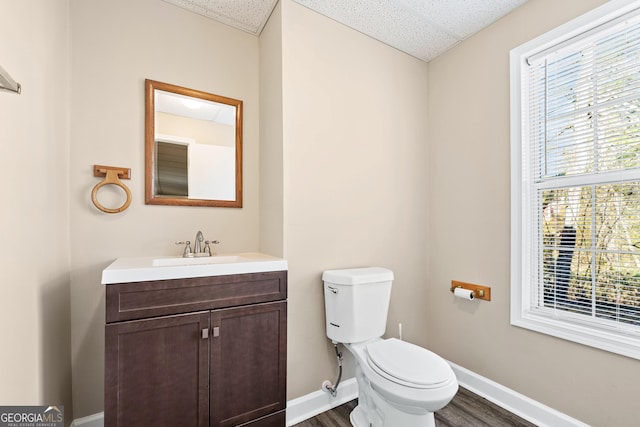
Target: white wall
{"type": "Point", "coordinates": [355, 178]}
{"type": "Point", "coordinates": [469, 230]}
{"type": "Point", "coordinates": [35, 366]}
{"type": "Point", "coordinates": [116, 45]}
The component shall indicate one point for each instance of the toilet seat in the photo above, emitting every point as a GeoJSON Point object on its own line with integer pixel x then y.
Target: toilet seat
{"type": "Point", "coordinates": [407, 395]}
{"type": "Point", "coordinates": [407, 364]}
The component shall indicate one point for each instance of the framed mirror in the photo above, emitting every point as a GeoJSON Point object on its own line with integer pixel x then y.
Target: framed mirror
{"type": "Point", "coordinates": [193, 147]}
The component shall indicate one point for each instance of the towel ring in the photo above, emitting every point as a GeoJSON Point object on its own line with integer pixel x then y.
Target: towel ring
{"type": "Point", "coordinates": [111, 178]}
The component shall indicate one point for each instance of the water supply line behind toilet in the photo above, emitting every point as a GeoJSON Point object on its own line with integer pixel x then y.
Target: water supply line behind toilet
{"type": "Point", "coordinates": [326, 385]}
{"type": "Point", "coordinates": [333, 389]}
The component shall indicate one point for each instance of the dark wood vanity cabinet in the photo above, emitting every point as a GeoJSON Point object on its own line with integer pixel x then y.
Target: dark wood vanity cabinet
{"type": "Point", "coordinates": [207, 351]}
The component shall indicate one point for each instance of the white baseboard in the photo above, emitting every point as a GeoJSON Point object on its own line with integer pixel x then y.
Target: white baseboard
{"type": "Point", "coordinates": [312, 404]}
{"type": "Point", "coordinates": [95, 420]}
{"type": "Point", "coordinates": [298, 410]}
{"type": "Point", "coordinates": [514, 402]}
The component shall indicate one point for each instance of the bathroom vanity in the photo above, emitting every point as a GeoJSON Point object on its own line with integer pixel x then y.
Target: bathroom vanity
{"type": "Point", "coordinates": [203, 350]}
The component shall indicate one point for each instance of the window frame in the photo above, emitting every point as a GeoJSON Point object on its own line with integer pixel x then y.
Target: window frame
{"type": "Point", "coordinates": [571, 328]}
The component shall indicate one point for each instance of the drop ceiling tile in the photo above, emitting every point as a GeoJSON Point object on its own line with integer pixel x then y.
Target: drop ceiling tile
{"type": "Point", "coordinates": [421, 28]}
{"type": "Point", "coordinates": [390, 22]}
{"type": "Point", "coordinates": [246, 15]}
{"type": "Point", "coordinates": [462, 18]}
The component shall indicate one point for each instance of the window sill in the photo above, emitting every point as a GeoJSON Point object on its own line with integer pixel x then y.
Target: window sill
{"type": "Point", "coordinates": [619, 343]}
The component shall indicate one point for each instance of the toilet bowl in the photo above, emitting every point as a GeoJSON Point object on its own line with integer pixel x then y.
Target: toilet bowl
{"type": "Point", "coordinates": [399, 384]}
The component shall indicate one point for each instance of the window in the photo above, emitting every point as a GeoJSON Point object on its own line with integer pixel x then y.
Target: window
{"type": "Point", "coordinates": [575, 101]}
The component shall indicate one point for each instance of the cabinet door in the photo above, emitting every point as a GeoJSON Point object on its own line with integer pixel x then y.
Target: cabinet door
{"type": "Point", "coordinates": [248, 363]}
{"type": "Point", "coordinates": [157, 372]}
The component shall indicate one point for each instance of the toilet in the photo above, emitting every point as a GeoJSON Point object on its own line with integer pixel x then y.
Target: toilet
{"type": "Point", "coordinates": [399, 384]}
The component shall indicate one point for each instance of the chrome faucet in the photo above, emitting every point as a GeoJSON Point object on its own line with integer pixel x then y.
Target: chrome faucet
{"type": "Point", "coordinates": [198, 250]}
{"type": "Point", "coordinates": [197, 246]}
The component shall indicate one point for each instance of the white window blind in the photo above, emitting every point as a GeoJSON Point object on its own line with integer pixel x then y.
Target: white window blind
{"type": "Point", "coordinates": [579, 193]}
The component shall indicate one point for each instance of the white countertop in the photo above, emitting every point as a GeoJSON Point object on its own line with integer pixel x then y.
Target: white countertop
{"type": "Point", "coordinates": [143, 269]}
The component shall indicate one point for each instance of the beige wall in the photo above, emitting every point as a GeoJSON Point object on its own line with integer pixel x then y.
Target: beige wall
{"type": "Point", "coordinates": [35, 366]}
{"type": "Point", "coordinates": [469, 233]}
{"type": "Point", "coordinates": [355, 181]}
{"type": "Point", "coordinates": [115, 46]}
{"type": "Point", "coordinates": [271, 158]}
{"type": "Point", "coordinates": [348, 174]}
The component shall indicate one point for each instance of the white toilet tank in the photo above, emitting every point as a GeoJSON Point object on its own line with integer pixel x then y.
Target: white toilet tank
{"type": "Point", "coordinates": [356, 302]}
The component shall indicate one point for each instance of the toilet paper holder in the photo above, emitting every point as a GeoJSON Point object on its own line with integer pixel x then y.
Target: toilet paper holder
{"type": "Point", "coordinates": [479, 292]}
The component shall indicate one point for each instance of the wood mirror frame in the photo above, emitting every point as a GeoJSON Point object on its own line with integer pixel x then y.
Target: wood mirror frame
{"type": "Point", "coordinates": [152, 196]}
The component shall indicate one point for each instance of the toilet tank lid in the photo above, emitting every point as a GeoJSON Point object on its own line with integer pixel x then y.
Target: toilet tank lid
{"type": "Point", "coordinates": [357, 276]}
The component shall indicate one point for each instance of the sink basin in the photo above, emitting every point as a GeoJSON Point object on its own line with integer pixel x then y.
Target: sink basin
{"type": "Point", "coordinates": [216, 259]}
{"type": "Point", "coordinates": [143, 269]}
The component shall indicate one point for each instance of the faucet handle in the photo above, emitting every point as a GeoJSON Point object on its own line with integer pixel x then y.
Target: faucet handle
{"type": "Point", "coordinates": [187, 248]}
{"type": "Point", "coordinates": [207, 249]}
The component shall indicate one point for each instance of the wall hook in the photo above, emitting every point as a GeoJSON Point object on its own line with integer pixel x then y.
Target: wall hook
{"type": "Point", "coordinates": [112, 176]}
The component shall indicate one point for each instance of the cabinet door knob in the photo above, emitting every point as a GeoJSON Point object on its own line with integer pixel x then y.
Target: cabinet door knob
{"type": "Point", "coordinates": [216, 331]}
{"type": "Point", "coordinates": [205, 333]}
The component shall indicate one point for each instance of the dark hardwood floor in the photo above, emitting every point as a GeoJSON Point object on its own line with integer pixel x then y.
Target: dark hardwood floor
{"type": "Point", "coordinates": [465, 410]}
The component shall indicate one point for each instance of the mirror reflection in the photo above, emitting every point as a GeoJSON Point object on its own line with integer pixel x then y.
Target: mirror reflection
{"type": "Point", "coordinates": [193, 147]}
